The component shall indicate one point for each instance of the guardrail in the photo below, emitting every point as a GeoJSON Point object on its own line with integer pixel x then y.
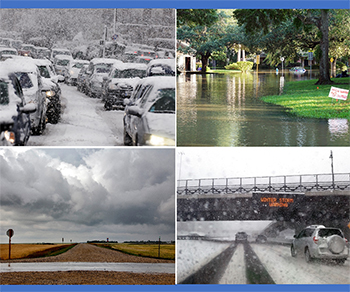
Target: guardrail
{"type": "Point", "coordinates": [287, 183]}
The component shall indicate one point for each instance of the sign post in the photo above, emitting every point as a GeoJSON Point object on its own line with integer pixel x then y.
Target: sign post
{"type": "Point", "coordinates": [10, 233]}
{"type": "Point", "coordinates": [257, 62]}
{"type": "Point", "coordinates": [282, 59]}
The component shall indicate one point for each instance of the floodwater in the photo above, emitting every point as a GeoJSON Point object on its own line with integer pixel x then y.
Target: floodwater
{"type": "Point", "coordinates": [226, 110]}
{"type": "Point", "coordinates": [90, 266]}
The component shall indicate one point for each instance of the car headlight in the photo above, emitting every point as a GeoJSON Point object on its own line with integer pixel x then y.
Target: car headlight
{"type": "Point", "coordinates": [10, 136]}
{"type": "Point", "coordinates": [155, 140]}
{"type": "Point", "coordinates": [50, 94]}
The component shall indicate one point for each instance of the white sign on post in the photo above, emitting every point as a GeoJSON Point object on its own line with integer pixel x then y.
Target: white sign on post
{"type": "Point", "coordinates": [338, 93]}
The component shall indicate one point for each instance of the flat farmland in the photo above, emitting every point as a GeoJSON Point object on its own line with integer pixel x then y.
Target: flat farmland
{"type": "Point", "coordinates": [22, 251]}
{"type": "Point", "coordinates": [166, 251]}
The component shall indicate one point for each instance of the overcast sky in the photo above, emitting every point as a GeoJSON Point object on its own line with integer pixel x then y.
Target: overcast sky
{"type": "Point", "coordinates": [87, 194]}
{"type": "Point", "coordinates": [222, 162]}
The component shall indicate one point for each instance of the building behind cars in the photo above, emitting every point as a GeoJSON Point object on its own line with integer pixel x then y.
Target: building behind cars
{"type": "Point", "coordinates": [14, 113]}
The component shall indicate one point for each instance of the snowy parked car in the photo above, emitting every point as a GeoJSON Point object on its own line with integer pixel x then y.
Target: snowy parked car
{"type": "Point", "coordinates": [161, 67]}
{"type": "Point", "coordinates": [51, 88]}
{"type": "Point", "coordinates": [320, 242]}
{"type": "Point", "coordinates": [120, 84]}
{"type": "Point", "coordinates": [27, 50]}
{"type": "Point", "coordinates": [98, 68]}
{"type": "Point", "coordinates": [59, 51]}
{"type": "Point", "coordinates": [150, 114]}
{"type": "Point", "coordinates": [4, 51]}
{"type": "Point", "coordinates": [30, 79]}
{"type": "Point", "coordinates": [41, 53]}
{"type": "Point", "coordinates": [74, 68]}
{"type": "Point", "coordinates": [82, 80]}
{"type": "Point", "coordinates": [61, 64]}
{"type": "Point", "coordinates": [14, 113]}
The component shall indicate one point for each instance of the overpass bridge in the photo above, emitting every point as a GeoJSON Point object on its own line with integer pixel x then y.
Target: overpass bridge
{"type": "Point", "coordinates": [300, 199]}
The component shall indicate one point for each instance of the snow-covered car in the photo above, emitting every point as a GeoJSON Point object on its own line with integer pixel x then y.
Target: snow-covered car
{"type": "Point", "coordinates": [149, 117]}
{"type": "Point", "coordinates": [74, 68]}
{"type": "Point", "coordinates": [27, 50]}
{"type": "Point", "coordinates": [7, 51]}
{"type": "Point", "coordinates": [41, 53]}
{"type": "Point", "coordinates": [82, 80]}
{"type": "Point", "coordinates": [51, 88]}
{"type": "Point", "coordinates": [61, 64]}
{"type": "Point", "coordinates": [297, 70]}
{"type": "Point", "coordinates": [320, 242]}
{"type": "Point", "coordinates": [14, 113]}
{"type": "Point", "coordinates": [161, 67]}
{"type": "Point", "coordinates": [241, 236]}
{"type": "Point", "coordinates": [32, 86]}
{"type": "Point", "coordinates": [59, 51]}
{"type": "Point", "coordinates": [121, 83]}
{"type": "Point", "coordinates": [97, 70]}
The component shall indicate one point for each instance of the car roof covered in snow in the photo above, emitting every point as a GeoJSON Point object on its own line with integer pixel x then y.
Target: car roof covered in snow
{"type": "Point", "coordinates": [156, 62]}
{"type": "Point", "coordinates": [138, 66]}
{"type": "Point", "coordinates": [105, 61]}
{"type": "Point", "coordinates": [19, 64]}
{"type": "Point", "coordinates": [63, 57]}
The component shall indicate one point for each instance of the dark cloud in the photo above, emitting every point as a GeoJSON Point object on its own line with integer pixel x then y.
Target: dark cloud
{"type": "Point", "coordinates": [88, 187]}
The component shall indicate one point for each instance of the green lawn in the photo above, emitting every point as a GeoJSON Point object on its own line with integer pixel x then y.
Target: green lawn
{"type": "Point", "coordinates": [305, 99]}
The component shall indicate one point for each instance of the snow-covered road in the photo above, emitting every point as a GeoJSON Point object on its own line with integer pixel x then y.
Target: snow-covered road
{"type": "Point", "coordinates": [84, 122]}
{"type": "Point", "coordinates": [276, 259]}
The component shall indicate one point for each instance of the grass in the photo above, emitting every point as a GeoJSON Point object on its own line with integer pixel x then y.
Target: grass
{"type": "Point", "coordinates": [305, 99]}
{"type": "Point", "coordinates": [167, 251]}
{"type": "Point", "coordinates": [25, 251]}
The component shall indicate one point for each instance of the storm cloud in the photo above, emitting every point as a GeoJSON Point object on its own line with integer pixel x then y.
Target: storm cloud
{"type": "Point", "coordinates": [123, 194]}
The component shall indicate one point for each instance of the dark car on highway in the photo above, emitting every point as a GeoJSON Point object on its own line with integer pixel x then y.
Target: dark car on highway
{"type": "Point", "coordinates": [241, 237]}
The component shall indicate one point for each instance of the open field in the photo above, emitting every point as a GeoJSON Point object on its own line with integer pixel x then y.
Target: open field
{"type": "Point", "coordinates": [305, 99]}
{"type": "Point", "coordinates": [22, 251]}
{"type": "Point", "coordinates": [167, 251]}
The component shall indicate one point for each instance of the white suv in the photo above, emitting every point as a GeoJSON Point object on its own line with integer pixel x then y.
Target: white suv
{"type": "Point", "coordinates": [318, 241]}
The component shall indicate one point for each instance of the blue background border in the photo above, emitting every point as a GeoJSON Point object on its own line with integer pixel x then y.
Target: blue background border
{"type": "Point", "coordinates": [220, 4]}
{"type": "Point", "coordinates": [245, 4]}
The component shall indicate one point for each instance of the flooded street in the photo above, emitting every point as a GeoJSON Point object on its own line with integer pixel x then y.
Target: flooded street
{"type": "Point", "coordinates": [226, 110]}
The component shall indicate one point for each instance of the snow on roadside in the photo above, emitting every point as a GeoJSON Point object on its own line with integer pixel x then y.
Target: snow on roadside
{"type": "Point", "coordinates": [193, 254]}
{"type": "Point", "coordinates": [80, 123]}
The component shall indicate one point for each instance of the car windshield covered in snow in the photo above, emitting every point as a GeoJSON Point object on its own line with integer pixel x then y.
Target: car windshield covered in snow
{"type": "Point", "coordinates": [103, 68]}
{"type": "Point", "coordinates": [131, 73]}
{"type": "Point", "coordinates": [62, 62]}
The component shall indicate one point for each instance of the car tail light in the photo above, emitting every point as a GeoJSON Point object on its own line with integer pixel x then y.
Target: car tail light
{"type": "Point", "coordinates": [315, 240]}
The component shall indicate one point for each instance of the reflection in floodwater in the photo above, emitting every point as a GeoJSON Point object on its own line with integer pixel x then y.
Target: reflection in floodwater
{"type": "Point", "coordinates": [226, 110]}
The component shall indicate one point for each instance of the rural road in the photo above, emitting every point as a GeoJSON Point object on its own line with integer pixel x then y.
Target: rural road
{"type": "Point", "coordinates": [90, 265]}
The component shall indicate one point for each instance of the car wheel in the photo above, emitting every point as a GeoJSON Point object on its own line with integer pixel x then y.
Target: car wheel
{"type": "Point", "coordinates": [293, 251]}
{"type": "Point", "coordinates": [108, 106]}
{"type": "Point", "coordinates": [127, 138]}
{"type": "Point", "coordinates": [308, 257]}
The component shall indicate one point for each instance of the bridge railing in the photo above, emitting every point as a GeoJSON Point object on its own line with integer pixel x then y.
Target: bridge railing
{"type": "Point", "coordinates": [287, 183]}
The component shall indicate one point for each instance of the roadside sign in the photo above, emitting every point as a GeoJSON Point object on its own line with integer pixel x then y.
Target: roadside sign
{"type": "Point", "coordinates": [282, 59]}
{"type": "Point", "coordinates": [310, 56]}
{"type": "Point", "coordinates": [331, 60]}
{"type": "Point", "coordinates": [338, 93]}
{"type": "Point", "coordinates": [258, 59]}
{"type": "Point", "coordinates": [10, 233]}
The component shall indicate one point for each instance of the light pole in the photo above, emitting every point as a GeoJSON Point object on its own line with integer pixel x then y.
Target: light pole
{"type": "Point", "coordinates": [331, 157]}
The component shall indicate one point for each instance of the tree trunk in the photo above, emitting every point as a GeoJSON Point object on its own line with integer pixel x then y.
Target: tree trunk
{"type": "Point", "coordinates": [205, 62]}
{"type": "Point", "coordinates": [324, 45]}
